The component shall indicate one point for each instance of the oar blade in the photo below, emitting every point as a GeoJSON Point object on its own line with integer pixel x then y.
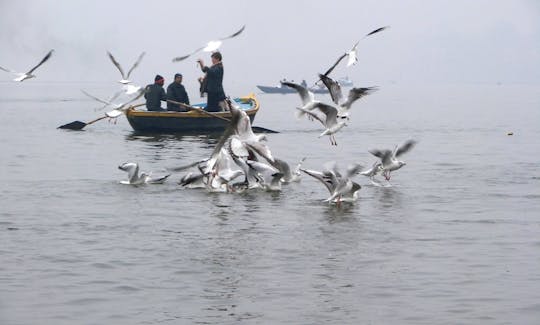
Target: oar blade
{"type": "Point", "coordinates": [76, 125]}
{"type": "Point", "coordinates": [260, 129]}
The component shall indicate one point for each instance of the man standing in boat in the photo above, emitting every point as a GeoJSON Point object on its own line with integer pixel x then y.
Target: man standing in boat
{"type": "Point", "coordinates": [155, 94]}
{"type": "Point", "coordinates": [214, 83]}
{"type": "Point", "coordinates": [177, 93]}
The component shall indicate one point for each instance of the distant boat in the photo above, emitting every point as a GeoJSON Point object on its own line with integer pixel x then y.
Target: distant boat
{"type": "Point", "coordinates": [317, 89]}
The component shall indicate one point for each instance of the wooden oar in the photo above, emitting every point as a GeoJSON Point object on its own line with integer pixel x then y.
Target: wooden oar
{"type": "Point", "coordinates": [198, 109]}
{"type": "Point", "coordinates": [78, 125]}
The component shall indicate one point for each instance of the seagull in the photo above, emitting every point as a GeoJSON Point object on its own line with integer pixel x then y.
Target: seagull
{"type": "Point", "coordinates": [268, 176]}
{"type": "Point", "coordinates": [210, 46]}
{"type": "Point", "coordinates": [307, 97]}
{"type": "Point", "coordinates": [118, 108]}
{"type": "Point", "coordinates": [352, 54]}
{"type": "Point", "coordinates": [332, 122]}
{"type": "Point", "coordinates": [125, 78]}
{"type": "Point", "coordinates": [389, 161]}
{"type": "Point", "coordinates": [288, 174]}
{"type": "Point", "coordinates": [135, 179]}
{"type": "Point", "coordinates": [341, 188]}
{"type": "Point", "coordinates": [23, 76]}
{"type": "Point", "coordinates": [334, 88]}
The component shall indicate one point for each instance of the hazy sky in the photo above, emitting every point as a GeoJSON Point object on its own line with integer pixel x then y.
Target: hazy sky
{"type": "Point", "coordinates": [436, 41]}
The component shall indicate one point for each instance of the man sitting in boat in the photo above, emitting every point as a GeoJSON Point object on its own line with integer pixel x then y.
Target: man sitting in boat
{"type": "Point", "coordinates": [176, 92]}
{"type": "Point", "coordinates": [214, 83]}
{"type": "Point", "coordinates": [155, 94]}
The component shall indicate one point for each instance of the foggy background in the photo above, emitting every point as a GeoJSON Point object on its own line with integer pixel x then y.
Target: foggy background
{"type": "Point", "coordinates": [429, 42]}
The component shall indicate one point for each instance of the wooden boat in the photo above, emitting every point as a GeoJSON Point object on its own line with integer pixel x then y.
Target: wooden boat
{"type": "Point", "coordinates": [195, 120]}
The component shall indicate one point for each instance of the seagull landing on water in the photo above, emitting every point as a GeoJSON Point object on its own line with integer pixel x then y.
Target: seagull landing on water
{"type": "Point", "coordinates": [135, 179]}
{"type": "Point", "coordinates": [389, 161]}
{"type": "Point", "coordinates": [23, 76]}
{"type": "Point", "coordinates": [341, 187]}
{"type": "Point", "coordinates": [125, 78]}
{"type": "Point", "coordinates": [210, 46]}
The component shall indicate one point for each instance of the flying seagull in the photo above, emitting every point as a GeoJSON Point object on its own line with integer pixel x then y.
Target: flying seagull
{"type": "Point", "coordinates": [28, 75]}
{"type": "Point", "coordinates": [125, 78]}
{"type": "Point", "coordinates": [210, 46]}
{"type": "Point", "coordinates": [352, 55]}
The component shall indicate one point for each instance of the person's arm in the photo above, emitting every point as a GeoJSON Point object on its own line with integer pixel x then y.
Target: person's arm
{"type": "Point", "coordinates": [203, 67]}
{"type": "Point", "coordinates": [163, 95]}
{"type": "Point", "coordinates": [187, 97]}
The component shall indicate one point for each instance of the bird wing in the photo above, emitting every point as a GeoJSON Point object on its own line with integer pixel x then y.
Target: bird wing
{"type": "Point", "coordinates": [235, 34]}
{"type": "Point", "coordinates": [181, 58]}
{"type": "Point", "coordinates": [136, 64]}
{"type": "Point", "coordinates": [377, 30]}
{"type": "Point", "coordinates": [96, 99]}
{"type": "Point", "coordinates": [335, 64]}
{"type": "Point", "coordinates": [404, 147]}
{"type": "Point", "coordinates": [7, 70]}
{"type": "Point", "coordinates": [357, 93]}
{"type": "Point", "coordinates": [48, 56]}
{"type": "Point", "coordinates": [306, 95]}
{"type": "Point", "coordinates": [116, 64]}
{"type": "Point", "coordinates": [384, 155]}
{"type": "Point", "coordinates": [333, 87]}
{"type": "Point", "coordinates": [312, 114]}
{"type": "Point", "coordinates": [330, 112]}
{"type": "Point", "coordinates": [323, 177]}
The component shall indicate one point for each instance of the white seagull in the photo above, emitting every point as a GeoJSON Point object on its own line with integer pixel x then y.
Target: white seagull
{"type": "Point", "coordinates": [210, 46]}
{"type": "Point", "coordinates": [118, 108]}
{"type": "Point", "coordinates": [352, 54]}
{"type": "Point", "coordinates": [135, 179]}
{"type": "Point", "coordinates": [28, 75]}
{"type": "Point", "coordinates": [341, 188]}
{"type": "Point", "coordinates": [125, 78]}
{"type": "Point", "coordinates": [332, 123]}
{"type": "Point", "coordinates": [389, 161]}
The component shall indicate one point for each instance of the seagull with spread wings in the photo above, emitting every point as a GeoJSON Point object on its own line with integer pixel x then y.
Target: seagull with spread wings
{"type": "Point", "coordinates": [389, 161]}
{"type": "Point", "coordinates": [352, 55]}
{"type": "Point", "coordinates": [23, 76]}
{"type": "Point", "coordinates": [210, 46]}
{"type": "Point", "coordinates": [125, 78]}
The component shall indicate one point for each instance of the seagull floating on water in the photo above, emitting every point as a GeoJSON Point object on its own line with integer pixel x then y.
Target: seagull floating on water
{"type": "Point", "coordinates": [210, 46]}
{"type": "Point", "coordinates": [135, 179]}
{"type": "Point", "coordinates": [28, 75]}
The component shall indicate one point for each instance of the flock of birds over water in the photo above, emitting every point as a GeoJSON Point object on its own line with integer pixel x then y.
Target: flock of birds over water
{"type": "Point", "coordinates": [242, 160]}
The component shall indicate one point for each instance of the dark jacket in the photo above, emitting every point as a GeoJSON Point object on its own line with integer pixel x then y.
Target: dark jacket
{"type": "Point", "coordinates": [154, 95]}
{"type": "Point", "coordinates": [214, 78]}
{"type": "Point", "coordinates": [177, 92]}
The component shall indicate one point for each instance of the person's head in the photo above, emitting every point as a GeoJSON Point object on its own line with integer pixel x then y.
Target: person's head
{"type": "Point", "coordinates": [159, 80]}
{"type": "Point", "coordinates": [178, 78]}
{"type": "Point", "coordinates": [216, 57]}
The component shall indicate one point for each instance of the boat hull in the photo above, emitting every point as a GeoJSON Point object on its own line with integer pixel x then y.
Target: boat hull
{"type": "Point", "coordinates": [193, 121]}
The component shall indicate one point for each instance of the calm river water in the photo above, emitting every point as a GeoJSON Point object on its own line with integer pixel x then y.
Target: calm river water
{"type": "Point", "coordinates": [455, 240]}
